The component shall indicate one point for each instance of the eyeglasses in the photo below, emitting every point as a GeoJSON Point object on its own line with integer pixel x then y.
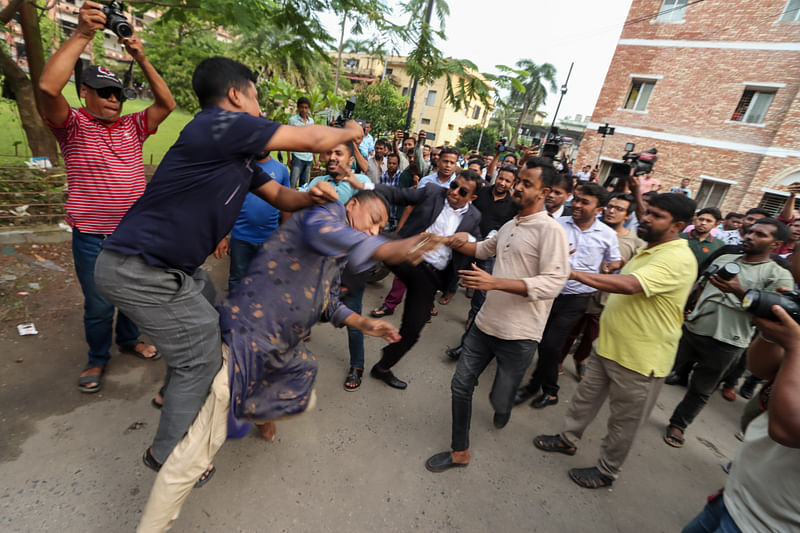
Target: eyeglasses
{"type": "Point", "coordinates": [615, 208]}
{"type": "Point", "coordinates": [463, 192]}
{"type": "Point", "coordinates": [106, 92]}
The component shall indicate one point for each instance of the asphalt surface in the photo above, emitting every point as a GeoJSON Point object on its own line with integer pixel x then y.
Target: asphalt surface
{"type": "Point", "coordinates": [72, 462]}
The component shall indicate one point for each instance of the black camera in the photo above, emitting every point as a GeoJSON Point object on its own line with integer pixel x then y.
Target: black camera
{"type": "Point", "coordinates": [347, 112]}
{"type": "Point", "coordinates": [502, 146]}
{"type": "Point", "coordinates": [760, 303]}
{"type": "Point", "coordinates": [115, 19]}
{"type": "Point", "coordinates": [641, 163]}
{"type": "Point", "coordinates": [726, 272]}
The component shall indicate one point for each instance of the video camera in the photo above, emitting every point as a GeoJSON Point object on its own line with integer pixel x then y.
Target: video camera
{"type": "Point", "coordinates": [502, 146]}
{"type": "Point", "coordinates": [641, 163]}
{"type": "Point", "coordinates": [115, 19]}
{"type": "Point", "coordinates": [760, 303]}
{"type": "Point", "coordinates": [347, 113]}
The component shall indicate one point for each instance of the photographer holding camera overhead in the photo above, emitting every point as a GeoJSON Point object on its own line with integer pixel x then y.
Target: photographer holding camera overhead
{"type": "Point", "coordinates": [718, 329]}
{"type": "Point", "coordinates": [102, 152]}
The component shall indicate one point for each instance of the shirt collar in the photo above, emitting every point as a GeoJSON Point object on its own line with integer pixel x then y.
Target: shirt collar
{"type": "Point", "coordinates": [593, 227]}
{"type": "Point", "coordinates": [668, 244]}
{"type": "Point", "coordinates": [111, 125]}
{"type": "Point", "coordinates": [460, 211]}
{"type": "Point", "coordinates": [530, 218]}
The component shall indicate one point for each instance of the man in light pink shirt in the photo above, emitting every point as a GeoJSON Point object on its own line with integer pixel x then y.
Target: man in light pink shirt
{"type": "Point", "coordinates": [648, 183]}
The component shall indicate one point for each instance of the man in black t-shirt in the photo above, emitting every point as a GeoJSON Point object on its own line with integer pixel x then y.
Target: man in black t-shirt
{"type": "Point", "coordinates": [149, 267]}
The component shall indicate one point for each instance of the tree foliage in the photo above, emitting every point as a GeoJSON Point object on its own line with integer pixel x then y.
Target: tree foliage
{"type": "Point", "coordinates": [538, 81]}
{"type": "Point", "coordinates": [382, 105]}
{"type": "Point", "coordinates": [468, 139]}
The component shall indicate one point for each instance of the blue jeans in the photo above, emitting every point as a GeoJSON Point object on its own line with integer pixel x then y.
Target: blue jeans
{"type": "Point", "coordinates": [98, 313]}
{"type": "Point", "coordinates": [299, 172]}
{"type": "Point", "coordinates": [714, 518]}
{"type": "Point", "coordinates": [355, 338]}
{"type": "Point", "coordinates": [242, 254]}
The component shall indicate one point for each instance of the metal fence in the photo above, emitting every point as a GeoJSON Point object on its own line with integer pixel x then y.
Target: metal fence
{"type": "Point", "coordinates": [31, 196]}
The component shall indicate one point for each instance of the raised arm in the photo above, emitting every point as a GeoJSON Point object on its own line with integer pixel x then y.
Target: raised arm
{"type": "Point", "coordinates": [163, 103]}
{"type": "Point", "coordinates": [57, 71]}
{"type": "Point", "coordinates": [636, 191]}
{"type": "Point", "coordinates": [361, 162]}
{"type": "Point", "coordinates": [313, 138]}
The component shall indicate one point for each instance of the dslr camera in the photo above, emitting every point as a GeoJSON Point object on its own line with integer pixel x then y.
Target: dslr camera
{"type": "Point", "coordinates": [760, 303]}
{"type": "Point", "coordinates": [726, 272]}
{"type": "Point", "coordinates": [116, 21]}
{"type": "Point", "coordinates": [347, 113]}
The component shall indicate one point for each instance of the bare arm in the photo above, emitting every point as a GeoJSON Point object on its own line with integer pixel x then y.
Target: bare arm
{"type": "Point", "coordinates": [633, 183]}
{"type": "Point", "coordinates": [313, 138]}
{"type": "Point", "coordinates": [614, 283]}
{"type": "Point", "coordinates": [375, 328]}
{"type": "Point", "coordinates": [57, 71]}
{"type": "Point", "coordinates": [286, 199]}
{"type": "Point", "coordinates": [787, 213]}
{"type": "Point", "coordinates": [784, 402]}
{"type": "Point", "coordinates": [361, 163]}
{"type": "Point", "coordinates": [163, 103]}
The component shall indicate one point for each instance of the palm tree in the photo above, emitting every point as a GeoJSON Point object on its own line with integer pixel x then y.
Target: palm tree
{"type": "Point", "coordinates": [540, 80]}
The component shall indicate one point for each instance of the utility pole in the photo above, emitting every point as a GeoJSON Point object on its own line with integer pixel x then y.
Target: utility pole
{"type": "Point", "coordinates": [339, 59]}
{"type": "Point", "coordinates": [563, 92]}
{"type": "Point", "coordinates": [413, 94]}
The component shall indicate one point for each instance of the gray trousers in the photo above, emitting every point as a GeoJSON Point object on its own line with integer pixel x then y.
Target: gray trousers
{"type": "Point", "coordinates": [631, 398]}
{"type": "Point", "coordinates": [177, 312]}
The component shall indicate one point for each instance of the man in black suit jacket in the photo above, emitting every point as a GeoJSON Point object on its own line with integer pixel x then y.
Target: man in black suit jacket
{"type": "Point", "coordinates": [555, 202]}
{"type": "Point", "coordinates": [439, 211]}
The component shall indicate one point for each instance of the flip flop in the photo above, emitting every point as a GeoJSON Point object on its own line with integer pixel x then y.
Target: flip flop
{"type": "Point", "coordinates": [97, 379]}
{"type": "Point", "coordinates": [131, 349]}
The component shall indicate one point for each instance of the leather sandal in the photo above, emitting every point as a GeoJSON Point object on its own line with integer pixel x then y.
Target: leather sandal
{"type": "Point", "coordinates": [353, 381]}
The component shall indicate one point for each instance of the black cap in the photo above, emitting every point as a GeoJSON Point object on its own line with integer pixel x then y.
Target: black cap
{"type": "Point", "coordinates": [98, 77]}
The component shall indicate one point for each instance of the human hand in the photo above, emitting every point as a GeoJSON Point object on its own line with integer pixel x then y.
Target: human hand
{"type": "Point", "coordinates": [458, 239]}
{"type": "Point", "coordinates": [633, 182]}
{"type": "Point", "coordinates": [794, 188]}
{"type": "Point", "coordinates": [222, 248]}
{"type": "Point", "coordinates": [476, 279]}
{"type": "Point", "coordinates": [609, 267]}
{"type": "Point", "coordinates": [355, 130]}
{"type": "Point", "coordinates": [323, 192]}
{"type": "Point", "coordinates": [380, 328]}
{"type": "Point", "coordinates": [731, 286]}
{"type": "Point", "coordinates": [424, 242]}
{"type": "Point", "coordinates": [573, 274]}
{"type": "Point", "coordinates": [422, 135]}
{"type": "Point", "coordinates": [91, 18]}
{"type": "Point", "coordinates": [134, 47]}
{"type": "Point", "coordinates": [785, 331]}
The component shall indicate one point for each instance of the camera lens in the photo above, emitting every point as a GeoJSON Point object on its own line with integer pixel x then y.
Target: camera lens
{"type": "Point", "coordinates": [729, 271]}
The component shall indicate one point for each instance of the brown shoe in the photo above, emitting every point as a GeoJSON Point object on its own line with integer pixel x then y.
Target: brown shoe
{"type": "Point", "coordinates": [729, 393]}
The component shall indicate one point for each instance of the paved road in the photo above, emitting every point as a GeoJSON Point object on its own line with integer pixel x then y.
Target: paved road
{"type": "Point", "coordinates": [71, 462]}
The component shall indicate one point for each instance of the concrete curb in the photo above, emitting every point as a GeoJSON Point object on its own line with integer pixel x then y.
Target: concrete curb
{"type": "Point", "coordinates": [34, 234]}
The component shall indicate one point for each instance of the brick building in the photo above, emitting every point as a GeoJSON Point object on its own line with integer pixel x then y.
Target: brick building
{"type": "Point", "coordinates": [714, 86]}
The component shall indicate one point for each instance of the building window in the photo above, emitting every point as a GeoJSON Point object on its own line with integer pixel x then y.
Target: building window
{"type": "Point", "coordinates": [711, 194]}
{"type": "Point", "coordinates": [639, 95]}
{"type": "Point", "coordinates": [389, 71]}
{"type": "Point", "coordinates": [476, 113]}
{"type": "Point", "coordinates": [792, 12]}
{"type": "Point", "coordinates": [431, 99]}
{"type": "Point", "coordinates": [405, 91]}
{"type": "Point", "coordinates": [752, 106]}
{"type": "Point", "coordinates": [426, 121]}
{"type": "Point", "coordinates": [774, 202]}
{"type": "Point", "coordinates": [351, 62]}
{"type": "Point", "coordinates": [450, 127]}
{"type": "Point", "coordinates": [672, 10]}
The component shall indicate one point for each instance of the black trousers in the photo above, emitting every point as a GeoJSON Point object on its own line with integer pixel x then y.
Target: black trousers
{"type": "Point", "coordinates": [567, 311]}
{"type": "Point", "coordinates": [422, 282]}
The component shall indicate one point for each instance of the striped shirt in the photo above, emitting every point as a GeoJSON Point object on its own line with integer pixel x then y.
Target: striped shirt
{"type": "Point", "coordinates": [105, 170]}
{"type": "Point", "coordinates": [393, 181]}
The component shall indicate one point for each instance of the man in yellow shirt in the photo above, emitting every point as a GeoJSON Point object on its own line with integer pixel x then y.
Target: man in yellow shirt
{"type": "Point", "coordinates": [639, 332]}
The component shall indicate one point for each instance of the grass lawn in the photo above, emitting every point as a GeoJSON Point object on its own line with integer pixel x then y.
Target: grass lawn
{"type": "Point", "coordinates": [154, 148]}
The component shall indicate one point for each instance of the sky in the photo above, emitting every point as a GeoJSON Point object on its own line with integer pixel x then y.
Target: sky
{"type": "Point", "coordinates": [490, 33]}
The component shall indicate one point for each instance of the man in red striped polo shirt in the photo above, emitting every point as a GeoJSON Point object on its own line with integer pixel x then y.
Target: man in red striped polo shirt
{"type": "Point", "coordinates": [102, 152]}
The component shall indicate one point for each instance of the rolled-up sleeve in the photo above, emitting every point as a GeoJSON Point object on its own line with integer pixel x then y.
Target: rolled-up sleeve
{"type": "Point", "coordinates": [553, 267]}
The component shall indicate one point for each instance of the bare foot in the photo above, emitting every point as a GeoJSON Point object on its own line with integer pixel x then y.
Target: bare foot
{"type": "Point", "coordinates": [267, 430]}
{"type": "Point", "coordinates": [147, 351]}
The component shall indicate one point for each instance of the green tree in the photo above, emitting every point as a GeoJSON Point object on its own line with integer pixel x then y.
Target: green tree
{"type": "Point", "coordinates": [468, 139]}
{"type": "Point", "coordinates": [175, 47]}
{"type": "Point", "coordinates": [538, 81]}
{"type": "Point", "coordinates": [382, 105]}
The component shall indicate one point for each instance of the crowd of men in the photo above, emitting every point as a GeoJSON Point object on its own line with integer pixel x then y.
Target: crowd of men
{"type": "Point", "coordinates": [632, 282]}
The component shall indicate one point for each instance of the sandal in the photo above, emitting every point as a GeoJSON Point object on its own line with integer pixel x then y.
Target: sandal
{"type": "Point", "coordinates": [95, 380]}
{"type": "Point", "coordinates": [554, 443]}
{"type": "Point", "coordinates": [673, 437]}
{"type": "Point", "coordinates": [131, 349]}
{"type": "Point", "coordinates": [151, 463]}
{"type": "Point", "coordinates": [590, 478]}
{"type": "Point", "coordinates": [156, 404]}
{"type": "Point", "coordinates": [446, 298]}
{"type": "Point", "coordinates": [382, 311]}
{"type": "Point", "coordinates": [434, 311]}
{"type": "Point", "coordinates": [353, 381]}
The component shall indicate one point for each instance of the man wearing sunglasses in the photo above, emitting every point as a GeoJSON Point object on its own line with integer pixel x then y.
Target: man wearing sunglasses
{"type": "Point", "coordinates": [105, 172]}
{"type": "Point", "coordinates": [439, 211]}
